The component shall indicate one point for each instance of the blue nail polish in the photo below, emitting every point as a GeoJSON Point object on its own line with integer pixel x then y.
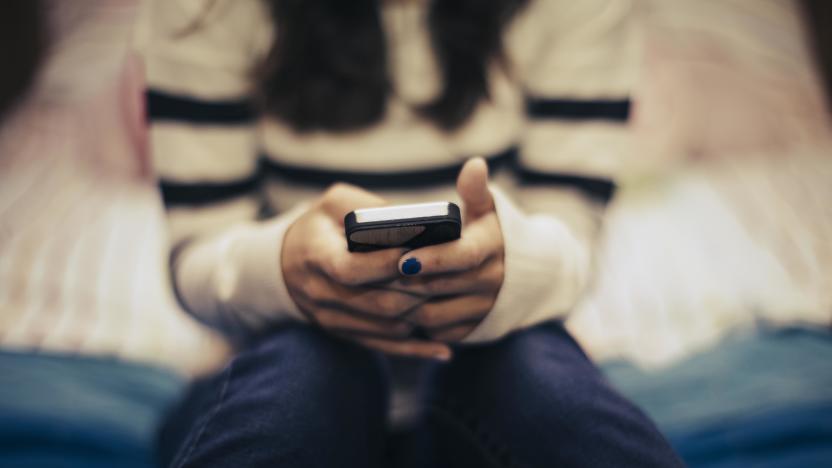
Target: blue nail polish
{"type": "Point", "coordinates": [411, 266]}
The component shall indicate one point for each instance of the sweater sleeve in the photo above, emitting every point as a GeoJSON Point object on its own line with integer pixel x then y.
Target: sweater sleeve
{"type": "Point", "coordinates": [578, 75]}
{"type": "Point", "coordinates": [225, 261]}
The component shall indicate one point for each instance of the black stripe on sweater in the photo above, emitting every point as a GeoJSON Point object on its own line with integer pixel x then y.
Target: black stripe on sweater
{"type": "Point", "coordinates": [576, 109]}
{"type": "Point", "coordinates": [194, 194]}
{"type": "Point", "coordinates": [382, 180]}
{"type": "Point", "coordinates": [162, 106]}
{"type": "Point", "coordinates": [600, 190]}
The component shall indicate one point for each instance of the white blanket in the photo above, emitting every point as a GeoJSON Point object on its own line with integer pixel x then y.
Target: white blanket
{"type": "Point", "coordinates": [724, 220]}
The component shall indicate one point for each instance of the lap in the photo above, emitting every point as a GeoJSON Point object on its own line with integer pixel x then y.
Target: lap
{"type": "Point", "coordinates": [302, 398]}
{"type": "Point", "coordinates": [535, 399]}
{"type": "Point", "coordinates": [296, 398]}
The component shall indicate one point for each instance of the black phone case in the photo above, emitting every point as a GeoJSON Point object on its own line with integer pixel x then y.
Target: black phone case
{"type": "Point", "coordinates": [438, 229]}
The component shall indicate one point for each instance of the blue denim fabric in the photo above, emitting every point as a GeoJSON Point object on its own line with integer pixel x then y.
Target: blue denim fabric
{"type": "Point", "coordinates": [296, 399]}
{"type": "Point", "coordinates": [301, 398]}
{"type": "Point", "coordinates": [762, 399]}
{"type": "Point", "coordinates": [62, 411]}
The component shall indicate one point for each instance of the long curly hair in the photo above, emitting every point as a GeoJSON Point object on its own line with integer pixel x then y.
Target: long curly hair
{"type": "Point", "coordinates": [327, 68]}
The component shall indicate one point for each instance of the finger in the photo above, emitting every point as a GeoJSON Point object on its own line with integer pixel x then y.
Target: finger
{"type": "Point", "coordinates": [370, 301]}
{"type": "Point", "coordinates": [338, 321]}
{"type": "Point", "coordinates": [327, 252]}
{"type": "Point", "coordinates": [411, 348]}
{"type": "Point", "coordinates": [449, 312]}
{"type": "Point", "coordinates": [318, 291]}
{"type": "Point", "coordinates": [341, 198]}
{"type": "Point", "coordinates": [382, 304]}
{"type": "Point", "coordinates": [488, 277]}
{"type": "Point", "coordinates": [472, 186]}
{"type": "Point", "coordinates": [480, 241]}
{"type": "Point", "coordinates": [453, 334]}
{"type": "Point", "coordinates": [355, 269]}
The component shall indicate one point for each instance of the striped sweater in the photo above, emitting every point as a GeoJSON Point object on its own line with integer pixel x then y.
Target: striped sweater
{"type": "Point", "coordinates": [554, 131]}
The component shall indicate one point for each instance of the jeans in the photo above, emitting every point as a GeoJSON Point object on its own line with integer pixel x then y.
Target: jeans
{"type": "Point", "coordinates": [301, 398]}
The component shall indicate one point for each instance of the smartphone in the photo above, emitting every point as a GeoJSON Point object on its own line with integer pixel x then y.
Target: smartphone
{"type": "Point", "coordinates": [409, 226]}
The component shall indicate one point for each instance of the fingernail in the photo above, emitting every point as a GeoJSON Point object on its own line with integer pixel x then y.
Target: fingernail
{"type": "Point", "coordinates": [411, 266]}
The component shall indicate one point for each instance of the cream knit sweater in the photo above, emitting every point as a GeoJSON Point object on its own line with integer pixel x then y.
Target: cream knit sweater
{"type": "Point", "coordinates": [558, 118]}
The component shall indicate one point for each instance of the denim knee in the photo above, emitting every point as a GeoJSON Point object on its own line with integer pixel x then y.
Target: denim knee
{"type": "Point", "coordinates": [298, 397]}
{"type": "Point", "coordinates": [306, 366]}
{"type": "Point", "coordinates": [538, 369]}
{"type": "Point", "coordinates": [536, 395]}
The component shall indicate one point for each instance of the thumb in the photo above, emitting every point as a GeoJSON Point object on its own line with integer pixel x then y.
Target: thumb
{"type": "Point", "coordinates": [472, 186]}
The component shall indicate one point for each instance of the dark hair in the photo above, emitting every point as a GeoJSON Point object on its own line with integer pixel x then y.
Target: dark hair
{"type": "Point", "coordinates": [818, 16]}
{"type": "Point", "coordinates": [327, 68]}
{"type": "Point", "coordinates": [22, 46]}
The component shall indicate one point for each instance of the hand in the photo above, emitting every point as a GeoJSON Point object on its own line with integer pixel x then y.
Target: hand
{"type": "Point", "coordinates": [333, 287]}
{"type": "Point", "coordinates": [459, 279]}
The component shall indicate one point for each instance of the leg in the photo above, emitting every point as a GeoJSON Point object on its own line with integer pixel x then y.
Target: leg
{"type": "Point", "coordinates": [535, 400]}
{"type": "Point", "coordinates": [298, 398]}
